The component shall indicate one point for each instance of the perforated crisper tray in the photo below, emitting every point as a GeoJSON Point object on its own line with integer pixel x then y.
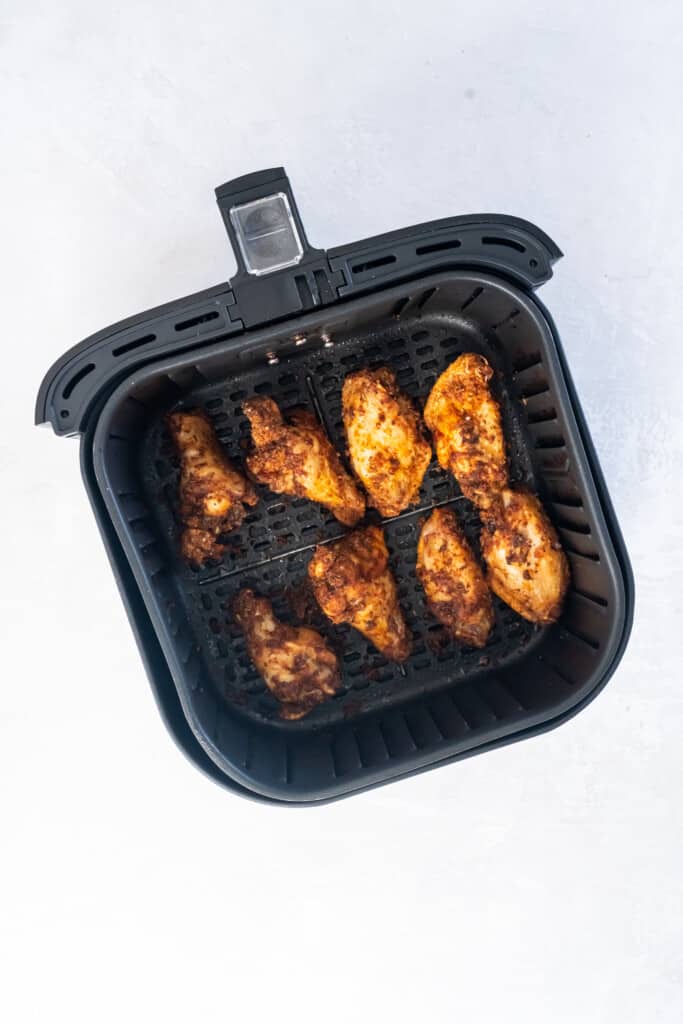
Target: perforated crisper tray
{"type": "Point", "coordinates": [447, 700]}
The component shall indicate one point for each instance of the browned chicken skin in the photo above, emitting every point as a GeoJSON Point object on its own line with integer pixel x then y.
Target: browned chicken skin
{"type": "Point", "coordinates": [526, 565]}
{"type": "Point", "coordinates": [296, 663]}
{"type": "Point", "coordinates": [453, 580]}
{"type": "Point", "coordinates": [467, 428]}
{"type": "Point", "coordinates": [386, 440]}
{"type": "Point", "coordinates": [295, 457]}
{"type": "Point", "coordinates": [352, 582]}
{"type": "Point", "coordinates": [212, 492]}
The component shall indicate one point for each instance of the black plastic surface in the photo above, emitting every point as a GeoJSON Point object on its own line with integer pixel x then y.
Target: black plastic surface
{"type": "Point", "coordinates": [163, 687]}
{"type": "Point", "coordinates": [512, 248]}
{"type": "Point", "coordinates": [386, 724]}
{"type": "Point", "coordinates": [75, 383]}
{"type": "Point", "coordinates": [412, 299]}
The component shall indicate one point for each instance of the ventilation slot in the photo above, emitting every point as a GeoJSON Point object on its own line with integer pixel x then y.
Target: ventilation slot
{"type": "Point", "coordinates": [531, 392]}
{"type": "Point", "coordinates": [507, 320]}
{"type": "Point", "coordinates": [381, 261]}
{"type": "Point", "coordinates": [372, 746]}
{"type": "Point", "coordinates": [526, 362]}
{"type": "Point", "coordinates": [304, 291]}
{"type": "Point", "coordinates": [473, 708]}
{"type": "Point", "coordinates": [425, 297]}
{"type": "Point", "coordinates": [411, 733]}
{"type": "Point", "coordinates": [424, 250]}
{"type": "Point", "coordinates": [396, 735]}
{"type": "Point", "coordinates": [562, 676]}
{"type": "Point", "coordinates": [595, 644]}
{"type": "Point", "coordinates": [542, 415]}
{"type": "Point", "coordinates": [550, 441]}
{"type": "Point", "coordinates": [448, 721]}
{"type": "Point", "coordinates": [203, 318]}
{"type": "Point", "coordinates": [507, 242]}
{"type": "Point", "coordinates": [472, 298]}
{"type": "Point", "coordinates": [345, 754]}
{"type": "Point", "coordinates": [324, 290]}
{"type": "Point", "coordinates": [554, 463]}
{"type": "Point", "coordinates": [77, 378]}
{"type": "Point", "coordinates": [569, 550]}
{"type": "Point", "coordinates": [591, 597]}
{"type": "Point", "coordinates": [561, 497]}
{"type": "Point", "coordinates": [585, 612]}
{"type": "Point", "coordinates": [423, 729]}
{"type": "Point", "coordinates": [131, 345]}
{"type": "Point", "coordinates": [567, 524]}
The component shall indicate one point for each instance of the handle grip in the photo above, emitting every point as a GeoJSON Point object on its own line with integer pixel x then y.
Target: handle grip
{"type": "Point", "coordinates": [263, 223]}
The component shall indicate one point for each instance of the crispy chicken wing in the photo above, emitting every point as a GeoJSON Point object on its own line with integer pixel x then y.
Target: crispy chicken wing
{"type": "Point", "coordinates": [296, 663]}
{"type": "Point", "coordinates": [212, 492]}
{"type": "Point", "coordinates": [295, 457]}
{"type": "Point", "coordinates": [352, 582]}
{"type": "Point", "coordinates": [526, 565]}
{"type": "Point", "coordinates": [386, 439]}
{"type": "Point", "coordinates": [453, 581]}
{"type": "Point", "coordinates": [466, 424]}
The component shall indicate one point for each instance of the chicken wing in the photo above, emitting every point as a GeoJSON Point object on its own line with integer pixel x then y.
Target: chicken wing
{"type": "Point", "coordinates": [212, 492]}
{"type": "Point", "coordinates": [296, 663]}
{"type": "Point", "coordinates": [466, 424]}
{"type": "Point", "coordinates": [526, 565]}
{"type": "Point", "coordinates": [352, 582]}
{"type": "Point", "coordinates": [295, 457]}
{"type": "Point", "coordinates": [386, 439]}
{"type": "Point", "coordinates": [453, 581]}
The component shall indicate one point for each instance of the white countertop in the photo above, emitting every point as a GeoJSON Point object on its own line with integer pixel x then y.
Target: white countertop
{"type": "Point", "coordinates": [538, 883]}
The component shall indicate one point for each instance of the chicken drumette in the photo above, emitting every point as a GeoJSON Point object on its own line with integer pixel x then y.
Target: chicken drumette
{"type": "Point", "coordinates": [386, 439]}
{"type": "Point", "coordinates": [352, 582]}
{"type": "Point", "coordinates": [526, 565]}
{"type": "Point", "coordinates": [453, 581]}
{"type": "Point", "coordinates": [296, 663]}
{"type": "Point", "coordinates": [467, 428]}
{"type": "Point", "coordinates": [212, 492]}
{"type": "Point", "coordinates": [295, 457]}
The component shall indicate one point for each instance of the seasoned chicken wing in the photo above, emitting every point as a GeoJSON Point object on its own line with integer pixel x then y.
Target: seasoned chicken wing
{"type": "Point", "coordinates": [296, 663]}
{"type": "Point", "coordinates": [467, 428]}
{"type": "Point", "coordinates": [526, 565]}
{"type": "Point", "coordinates": [352, 582]}
{"type": "Point", "coordinates": [295, 457]}
{"type": "Point", "coordinates": [212, 492]}
{"type": "Point", "coordinates": [386, 439]}
{"type": "Point", "coordinates": [453, 580]}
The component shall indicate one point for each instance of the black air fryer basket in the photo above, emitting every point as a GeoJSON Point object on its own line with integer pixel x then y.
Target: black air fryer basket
{"type": "Point", "coordinates": [292, 323]}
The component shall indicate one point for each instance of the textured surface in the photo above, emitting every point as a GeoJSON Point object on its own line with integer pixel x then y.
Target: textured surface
{"type": "Point", "coordinates": [540, 883]}
{"type": "Point", "coordinates": [272, 549]}
{"type": "Point", "coordinates": [386, 440]}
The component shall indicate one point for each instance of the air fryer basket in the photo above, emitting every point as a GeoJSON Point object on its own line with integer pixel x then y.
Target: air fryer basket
{"type": "Point", "coordinates": [447, 700]}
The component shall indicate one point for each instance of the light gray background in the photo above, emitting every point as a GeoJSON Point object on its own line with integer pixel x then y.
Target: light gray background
{"type": "Point", "coordinates": [539, 883]}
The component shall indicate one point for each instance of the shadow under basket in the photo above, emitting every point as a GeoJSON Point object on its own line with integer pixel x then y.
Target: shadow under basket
{"type": "Point", "coordinates": [448, 700]}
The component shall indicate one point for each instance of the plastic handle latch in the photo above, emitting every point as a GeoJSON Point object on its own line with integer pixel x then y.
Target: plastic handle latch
{"type": "Point", "coordinates": [263, 223]}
